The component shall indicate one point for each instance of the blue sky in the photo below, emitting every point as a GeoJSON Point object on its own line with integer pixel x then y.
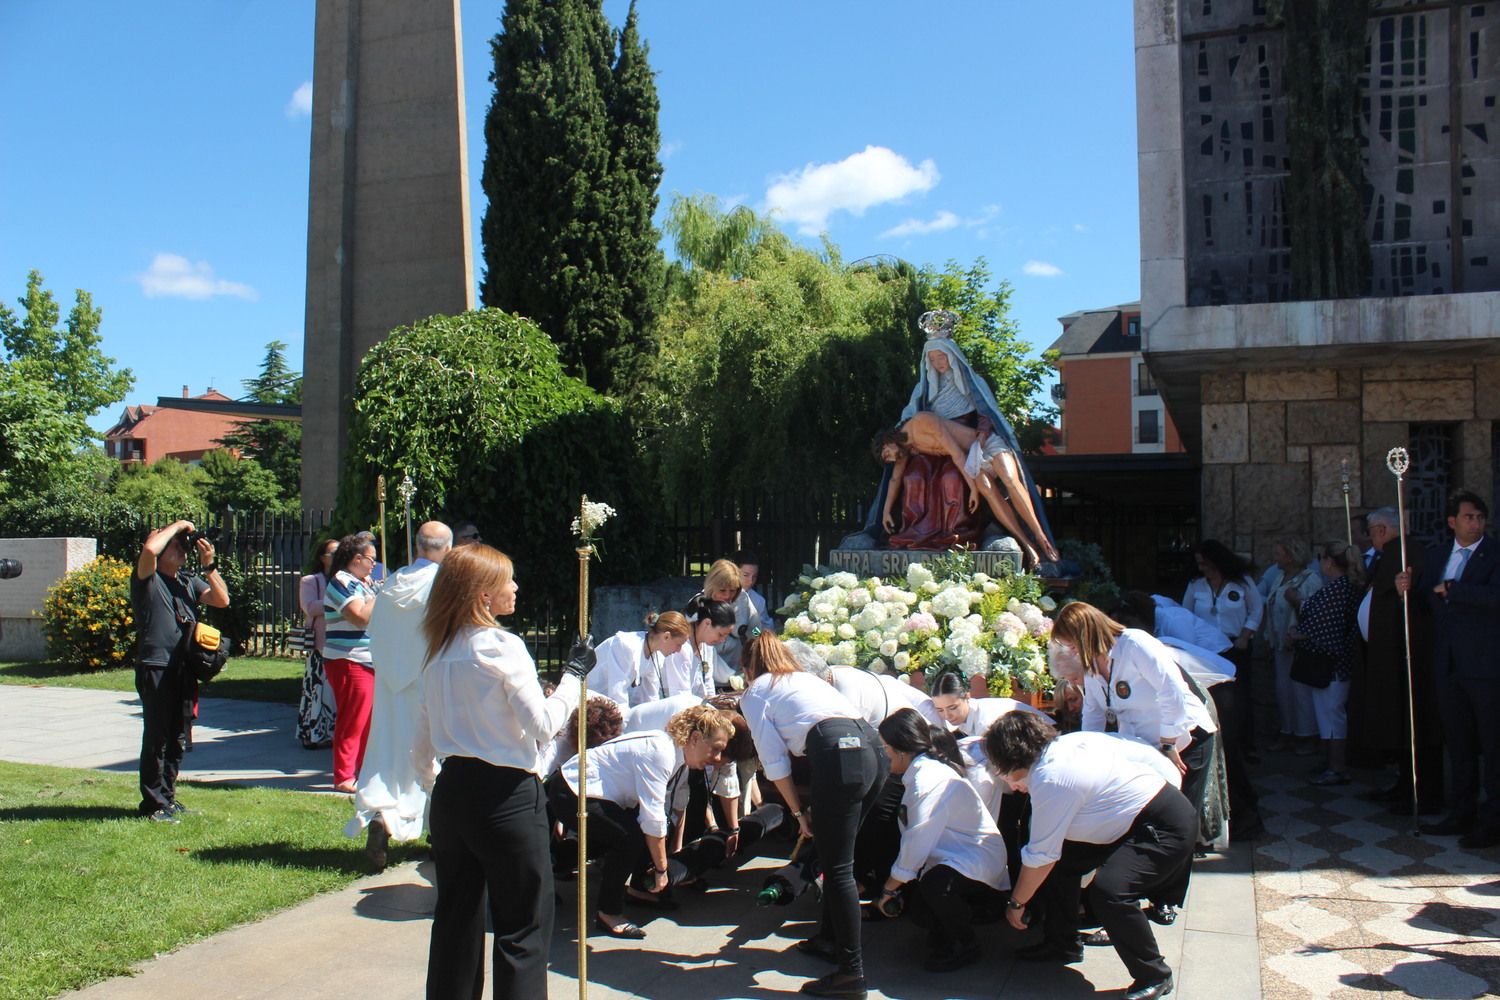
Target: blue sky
{"type": "Point", "coordinates": [157, 154]}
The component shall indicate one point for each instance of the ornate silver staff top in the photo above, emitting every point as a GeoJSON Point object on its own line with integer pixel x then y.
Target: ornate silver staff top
{"type": "Point", "coordinates": [1344, 474]}
{"type": "Point", "coordinates": [1398, 461]}
{"type": "Point", "coordinates": [407, 489]}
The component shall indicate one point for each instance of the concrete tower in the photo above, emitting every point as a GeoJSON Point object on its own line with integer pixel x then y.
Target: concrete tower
{"type": "Point", "coordinates": [388, 201]}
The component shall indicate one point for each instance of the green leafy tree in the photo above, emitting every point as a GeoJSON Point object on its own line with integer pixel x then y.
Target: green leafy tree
{"type": "Point", "coordinates": [66, 360]}
{"type": "Point", "coordinates": [241, 483]}
{"type": "Point", "coordinates": [275, 444]}
{"type": "Point", "coordinates": [571, 182]}
{"type": "Point", "coordinates": [635, 175]}
{"type": "Point", "coordinates": [991, 341]}
{"type": "Point", "coordinates": [38, 433]}
{"type": "Point", "coordinates": [478, 410]}
{"type": "Point", "coordinates": [774, 364]}
{"type": "Point", "coordinates": [168, 488]}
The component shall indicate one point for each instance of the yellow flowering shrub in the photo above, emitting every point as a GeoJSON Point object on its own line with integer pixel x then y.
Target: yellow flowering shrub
{"type": "Point", "coordinates": [87, 617]}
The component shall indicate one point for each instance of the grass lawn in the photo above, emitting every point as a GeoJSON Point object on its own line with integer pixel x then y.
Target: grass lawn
{"type": "Point", "coordinates": [246, 677]}
{"type": "Point", "coordinates": [90, 890]}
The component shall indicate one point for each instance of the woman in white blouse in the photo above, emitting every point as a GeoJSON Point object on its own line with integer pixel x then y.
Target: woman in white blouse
{"type": "Point", "coordinates": [791, 712]}
{"type": "Point", "coordinates": [950, 846]}
{"type": "Point", "coordinates": [628, 662]}
{"type": "Point", "coordinates": [483, 714]}
{"type": "Point", "coordinates": [1132, 685]}
{"type": "Point", "coordinates": [1101, 804]}
{"type": "Point", "coordinates": [694, 668]}
{"type": "Point", "coordinates": [972, 716]}
{"type": "Point", "coordinates": [631, 781]}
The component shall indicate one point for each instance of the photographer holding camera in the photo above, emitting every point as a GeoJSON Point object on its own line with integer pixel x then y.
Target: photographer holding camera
{"type": "Point", "coordinates": [164, 599]}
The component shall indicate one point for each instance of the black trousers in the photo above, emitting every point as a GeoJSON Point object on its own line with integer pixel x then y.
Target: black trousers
{"type": "Point", "coordinates": [163, 734]}
{"type": "Point", "coordinates": [709, 850]}
{"type": "Point", "coordinates": [1197, 757]}
{"type": "Point", "coordinates": [945, 902]}
{"type": "Point", "coordinates": [849, 768]}
{"type": "Point", "coordinates": [1244, 805]}
{"type": "Point", "coordinates": [489, 831]}
{"type": "Point", "coordinates": [1149, 857]}
{"type": "Point", "coordinates": [1471, 723]}
{"type": "Point", "coordinates": [615, 839]}
{"type": "Point", "coordinates": [879, 839]}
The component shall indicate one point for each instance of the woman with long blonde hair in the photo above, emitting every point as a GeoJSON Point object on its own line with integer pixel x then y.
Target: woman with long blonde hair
{"type": "Point", "coordinates": [483, 714]}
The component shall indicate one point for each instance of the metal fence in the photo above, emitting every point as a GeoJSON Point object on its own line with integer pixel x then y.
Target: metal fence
{"type": "Point", "coordinates": [273, 552]}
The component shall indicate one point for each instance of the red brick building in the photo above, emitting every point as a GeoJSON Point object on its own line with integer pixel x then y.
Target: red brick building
{"type": "Point", "coordinates": [148, 433]}
{"type": "Point", "coordinates": [1108, 399]}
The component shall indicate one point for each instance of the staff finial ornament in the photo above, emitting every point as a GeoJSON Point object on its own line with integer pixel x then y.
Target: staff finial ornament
{"type": "Point", "coordinates": [1398, 461]}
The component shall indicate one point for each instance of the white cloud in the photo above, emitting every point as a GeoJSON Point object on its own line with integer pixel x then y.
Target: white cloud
{"type": "Point", "coordinates": [670, 149]}
{"type": "Point", "coordinates": [1041, 269]}
{"type": "Point", "coordinates": [916, 227]}
{"type": "Point", "coordinates": [300, 106]}
{"type": "Point", "coordinates": [174, 276]}
{"type": "Point", "coordinates": [873, 176]}
{"type": "Point", "coordinates": [1079, 227]}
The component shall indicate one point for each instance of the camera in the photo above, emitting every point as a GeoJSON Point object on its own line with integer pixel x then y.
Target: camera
{"type": "Point", "coordinates": [10, 569]}
{"type": "Point", "coordinates": [190, 538]}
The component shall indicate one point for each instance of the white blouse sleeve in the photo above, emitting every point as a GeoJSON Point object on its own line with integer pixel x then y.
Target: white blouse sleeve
{"type": "Point", "coordinates": [924, 824]}
{"type": "Point", "coordinates": [775, 757]}
{"type": "Point", "coordinates": [651, 777]}
{"type": "Point", "coordinates": [540, 717]}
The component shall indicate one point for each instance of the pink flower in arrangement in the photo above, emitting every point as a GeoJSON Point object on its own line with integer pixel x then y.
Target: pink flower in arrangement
{"type": "Point", "coordinates": [920, 622]}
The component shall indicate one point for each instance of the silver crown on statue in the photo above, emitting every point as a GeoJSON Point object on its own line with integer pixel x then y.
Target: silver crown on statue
{"type": "Point", "coordinates": [937, 323]}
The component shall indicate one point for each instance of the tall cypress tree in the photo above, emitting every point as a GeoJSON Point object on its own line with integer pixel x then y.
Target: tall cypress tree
{"type": "Point", "coordinates": [561, 241]}
{"type": "Point", "coordinates": [635, 176]}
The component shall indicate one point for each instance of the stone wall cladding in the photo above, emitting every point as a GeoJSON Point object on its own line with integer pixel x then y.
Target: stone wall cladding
{"type": "Point", "coordinates": [1273, 464]}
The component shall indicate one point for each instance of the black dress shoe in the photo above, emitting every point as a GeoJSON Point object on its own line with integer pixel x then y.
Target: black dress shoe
{"type": "Point", "coordinates": [837, 984]}
{"type": "Point", "coordinates": [1051, 951]}
{"type": "Point", "coordinates": [1162, 913]}
{"type": "Point", "coordinates": [1448, 827]}
{"type": "Point", "coordinates": [1149, 992]}
{"type": "Point", "coordinates": [1099, 938]}
{"type": "Point", "coordinates": [1482, 837]}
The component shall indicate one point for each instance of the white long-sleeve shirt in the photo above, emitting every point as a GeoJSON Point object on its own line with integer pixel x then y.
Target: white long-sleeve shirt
{"type": "Point", "coordinates": [1087, 787]}
{"type": "Point", "coordinates": [632, 771]}
{"type": "Point", "coordinates": [655, 714]}
{"type": "Point", "coordinates": [621, 669]}
{"type": "Point", "coordinates": [1235, 607]}
{"type": "Point", "coordinates": [877, 696]}
{"type": "Point", "coordinates": [991, 789]}
{"type": "Point", "coordinates": [984, 711]}
{"type": "Point", "coordinates": [481, 698]}
{"type": "Point", "coordinates": [781, 708]}
{"type": "Point", "coordinates": [947, 824]}
{"type": "Point", "coordinates": [687, 671]}
{"type": "Point", "coordinates": [1145, 692]}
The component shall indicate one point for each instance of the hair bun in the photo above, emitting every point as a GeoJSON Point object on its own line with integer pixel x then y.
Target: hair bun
{"type": "Point", "coordinates": [652, 618]}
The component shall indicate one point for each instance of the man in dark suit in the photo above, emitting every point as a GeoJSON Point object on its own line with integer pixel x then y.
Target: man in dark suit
{"type": "Point", "coordinates": [1461, 588]}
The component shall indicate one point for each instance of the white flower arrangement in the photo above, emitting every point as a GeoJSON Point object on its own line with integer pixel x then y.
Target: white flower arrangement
{"type": "Point", "coordinates": [943, 620]}
{"type": "Point", "coordinates": [591, 519]}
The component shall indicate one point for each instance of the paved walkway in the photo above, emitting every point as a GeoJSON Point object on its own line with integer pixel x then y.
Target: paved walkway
{"type": "Point", "coordinates": [371, 938]}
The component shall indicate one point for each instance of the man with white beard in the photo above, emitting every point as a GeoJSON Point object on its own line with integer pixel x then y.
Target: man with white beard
{"type": "Point", "coordinates": [389, 799]}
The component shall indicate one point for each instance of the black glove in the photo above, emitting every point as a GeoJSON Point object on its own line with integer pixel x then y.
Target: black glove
{"type": "Point", "coordinates": [581, 657]}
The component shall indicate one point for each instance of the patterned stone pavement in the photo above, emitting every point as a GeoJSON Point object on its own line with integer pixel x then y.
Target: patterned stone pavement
{"type": "Point", "coordinates": [1350, 901]}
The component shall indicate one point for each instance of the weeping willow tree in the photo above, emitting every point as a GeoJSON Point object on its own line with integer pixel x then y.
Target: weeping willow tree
{"type": "Point", "coordinates": [1325, 191]}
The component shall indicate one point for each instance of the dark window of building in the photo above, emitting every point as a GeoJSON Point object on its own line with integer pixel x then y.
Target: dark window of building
{"type": "Point", "coordinates": [1144, 384]}
{"type": "Point", "coordinates": [1428, 479]}
{"type": "Point", "coordinates": [1149, 429]}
